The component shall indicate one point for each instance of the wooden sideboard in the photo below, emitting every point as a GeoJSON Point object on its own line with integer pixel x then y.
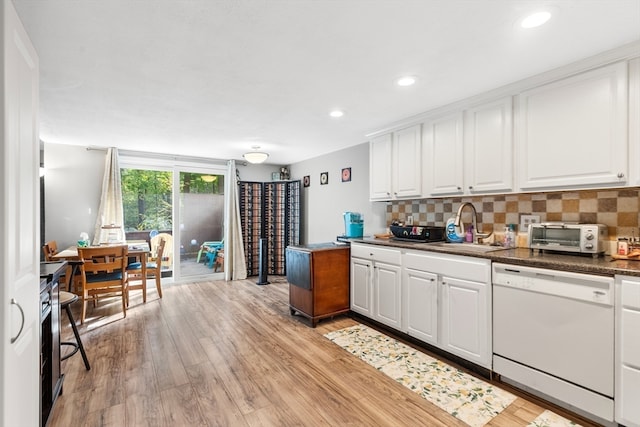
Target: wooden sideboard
{"type": "Point", "coordinates": [318, 276]}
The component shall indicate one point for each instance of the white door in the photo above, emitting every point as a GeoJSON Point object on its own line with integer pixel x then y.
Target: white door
{"type": "Point", "coordinates": [361, 286]}
{"type": "Point", "coordinates": [465, 319]}
{"type": "Point", "coordinates": [582, 118]}
{"type": "Point", "coordinates": [19, 227]}
{"type": "Point", "coordinates": [387, 298]}
{"type": "Point", "coordinates": [422, 305]}
{"type": "Point", "coordinates": [407, 162]}
{"type": "Point", "coordinates": [443, 155]}
{"type": "Point", "coordinates": [380, 167]}
{"type": "Point", "coordinates": [488, 147]}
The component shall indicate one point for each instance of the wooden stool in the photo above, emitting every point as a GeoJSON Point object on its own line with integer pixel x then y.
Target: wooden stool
{"type": "Point", "coordinates": [66, 299]}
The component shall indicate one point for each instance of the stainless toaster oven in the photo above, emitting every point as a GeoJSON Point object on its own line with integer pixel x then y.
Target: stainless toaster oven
{"type": "Point", "coordinates": [568, 237]}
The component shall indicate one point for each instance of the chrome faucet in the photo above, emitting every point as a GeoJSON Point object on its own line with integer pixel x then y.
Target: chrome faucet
{"type": "Point", "coordinates": [477, 234]}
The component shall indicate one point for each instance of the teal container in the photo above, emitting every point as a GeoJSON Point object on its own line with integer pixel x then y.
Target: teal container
{"type": "Point", "coordinates": [353, 224]}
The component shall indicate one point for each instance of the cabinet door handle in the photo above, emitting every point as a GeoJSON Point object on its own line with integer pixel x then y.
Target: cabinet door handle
{"type": "Point", "coordinates": [14, 302]}
{"type": "Point", "coordinates": [459, 188]}
{"type": "Point", "coordinates": [471, 187]}
{"type": "Point", "coordinates": [620, 175]}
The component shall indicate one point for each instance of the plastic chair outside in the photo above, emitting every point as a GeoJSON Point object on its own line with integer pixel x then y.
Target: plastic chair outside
{"type": "Point", "coordinates": [209, 247]}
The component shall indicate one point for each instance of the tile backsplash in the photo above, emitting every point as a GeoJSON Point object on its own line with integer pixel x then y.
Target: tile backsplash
{"type": "Point", "coordinates": [616, 208]}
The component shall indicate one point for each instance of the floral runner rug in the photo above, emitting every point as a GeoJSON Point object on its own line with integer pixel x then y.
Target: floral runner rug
{"type": "Point", "coordinates": [462, 395]}
{"type": "Point", "coordinates": [551, 419]}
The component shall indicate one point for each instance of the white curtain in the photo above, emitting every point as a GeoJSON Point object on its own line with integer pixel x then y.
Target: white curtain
{"type": "Point", "coordinates": [110, 221]}
{"type": "Point", "coordinates": [235, 265]}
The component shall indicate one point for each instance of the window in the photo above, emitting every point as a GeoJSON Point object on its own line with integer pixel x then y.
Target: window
{"type": "Point", "coordinates": [147, 200]}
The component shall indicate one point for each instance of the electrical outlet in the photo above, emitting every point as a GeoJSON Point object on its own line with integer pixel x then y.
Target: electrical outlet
{"type": "Point", "coordinates": [525, 220]}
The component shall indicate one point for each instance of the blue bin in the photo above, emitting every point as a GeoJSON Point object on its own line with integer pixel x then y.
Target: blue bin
{"type": "Point", "coordinates": [353, 224]}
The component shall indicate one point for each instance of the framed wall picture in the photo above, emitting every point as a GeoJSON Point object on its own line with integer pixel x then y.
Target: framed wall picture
{"type": "Point", "coordinates": [275, 176]}
{"type": "Point", "coordinates": [306, 181]}
{"type": "Point", "coordinates": [346, 174]}
{"type": "Point", "coordinates": [324, 178]}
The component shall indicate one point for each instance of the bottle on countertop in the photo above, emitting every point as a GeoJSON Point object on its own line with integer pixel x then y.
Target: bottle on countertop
{"type": "Point", "coordinates": [623, 246]}
{"type": "Point", "coordinates": [469, 236]}
{"type": "Point", "coordinates": [509, 236]}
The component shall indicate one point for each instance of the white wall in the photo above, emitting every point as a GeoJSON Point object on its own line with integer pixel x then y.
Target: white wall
{"type": "Point", "coordinates": [259, 173]}
{"type": "Point", "coordinates": [73, 184]}
{"type": "Point", "coordinates": [323, 205]}
{"type": "Point", "coordinates": [72, 187]}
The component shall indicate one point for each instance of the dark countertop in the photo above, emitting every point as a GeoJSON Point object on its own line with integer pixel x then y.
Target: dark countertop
{"type": "Point", "coordinates": [603, 265]}
{"type": "Point", "coordinates": [319, 246]}
{"type": "Point", "coordinates": [49, 269]}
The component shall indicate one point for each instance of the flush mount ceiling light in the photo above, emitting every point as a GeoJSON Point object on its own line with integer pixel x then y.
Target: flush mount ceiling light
{"type": "Point", "coordinates": [406, 81]}
{"type": "Point", "coordinates": [336, 113]}
{"type": "Point", "coordinates": [535, 19]}
{"type": "Point", "coordinates": [255, 156]}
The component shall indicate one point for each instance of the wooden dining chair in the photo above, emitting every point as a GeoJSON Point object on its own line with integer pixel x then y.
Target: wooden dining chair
{"type": "Point", "coordinates": [167, 254]}
{"type": "Point", "coordinates": [154, 271]}
{"type": "Point", "coordinates": [49, 249]}
{"type": "Point", "coordinates": [103, 272]}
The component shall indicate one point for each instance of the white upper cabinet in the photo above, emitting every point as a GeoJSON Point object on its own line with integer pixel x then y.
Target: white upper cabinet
{"type": "Point", "coordinates": [634, 122]}
{"type": "Point", "coordinates": [443, 159]}
{"type": "Point", "coordinates": [395, 165]}
{"type": "Point", "coordinates": [488, 147]}
{"type": "Point", "coordinates": [380, 167]}
{"type": "Point", "coordinates": [575, 127]}
{"type": "Point", "coordinates": [407, 162]}
{"type": "Point", "coordinates": [572, 133]}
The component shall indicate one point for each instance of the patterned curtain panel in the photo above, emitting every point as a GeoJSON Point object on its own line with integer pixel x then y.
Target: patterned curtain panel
{"type": "Point", "coordinates": [110, 222]}
{"type": "Point", "coordinates": [235, 267]}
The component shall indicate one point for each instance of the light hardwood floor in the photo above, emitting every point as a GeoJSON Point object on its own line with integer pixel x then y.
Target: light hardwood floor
{"type": "Point", "coordinates": [229, 354]}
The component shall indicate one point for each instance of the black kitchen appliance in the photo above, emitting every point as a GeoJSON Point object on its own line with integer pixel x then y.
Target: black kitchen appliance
{"type": "Point", "coordinates": [418, 233]}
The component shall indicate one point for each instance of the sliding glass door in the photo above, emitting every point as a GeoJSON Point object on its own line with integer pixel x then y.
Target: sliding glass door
{"type": "Point", "coordinates": [185, 203]}
{"type": "Point", "coordinates": [147, 199]}
{"type": "Point", "coordinates": [201, 226]}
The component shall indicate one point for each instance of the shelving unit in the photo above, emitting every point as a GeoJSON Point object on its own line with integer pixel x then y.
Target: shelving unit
{"type": "Point", "coordinates": [51, 376]}
{"type": "Point", "coordinates": [269, 210]}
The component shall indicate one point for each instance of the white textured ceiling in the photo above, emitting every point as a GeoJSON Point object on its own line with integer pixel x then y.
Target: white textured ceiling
{"type": "Point", "coordinates": [213, 78]}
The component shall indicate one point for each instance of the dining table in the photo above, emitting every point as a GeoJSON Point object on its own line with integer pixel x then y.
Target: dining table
{"type": "Point", "coordinates": [138, 249]}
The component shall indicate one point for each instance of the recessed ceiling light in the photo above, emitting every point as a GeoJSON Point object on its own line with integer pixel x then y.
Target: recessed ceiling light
{"type": "Point", "coordinates": [336, 113]}
{"type": "Point", "coordinates": [406, 81]}
{"type": "Point", "coordinates": [535, 19]}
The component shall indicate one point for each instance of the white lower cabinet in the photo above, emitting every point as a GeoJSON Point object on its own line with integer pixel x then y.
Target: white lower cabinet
{"type": "Point", "coordinates": [447, 303]}
{"type": "Point", "coordinates": [421, 303]}
{"type": "Point", "coordinates": [627, 393]}
{"type": "Point", "coordinates": [361, 272]}
{"type": "Point", "coordinates": [465, 316]}
{"type": "Point", "coordinates": [375, 283]}
{"type": "Point", "coordinates": [387, 294]}
{"type": "Point", "coordinates": [441, 299]}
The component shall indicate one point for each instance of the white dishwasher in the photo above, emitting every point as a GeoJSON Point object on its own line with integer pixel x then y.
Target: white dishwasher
{"type": "Point", "coordinates": [553, 335]}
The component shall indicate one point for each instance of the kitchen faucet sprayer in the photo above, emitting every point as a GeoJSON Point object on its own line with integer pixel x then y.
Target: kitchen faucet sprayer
{"type": "Point", "coordinates": [474, 221]}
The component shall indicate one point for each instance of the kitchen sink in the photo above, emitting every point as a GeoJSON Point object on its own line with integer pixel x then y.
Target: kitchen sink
{"type": "Point", "coordinates": [468, 247]}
